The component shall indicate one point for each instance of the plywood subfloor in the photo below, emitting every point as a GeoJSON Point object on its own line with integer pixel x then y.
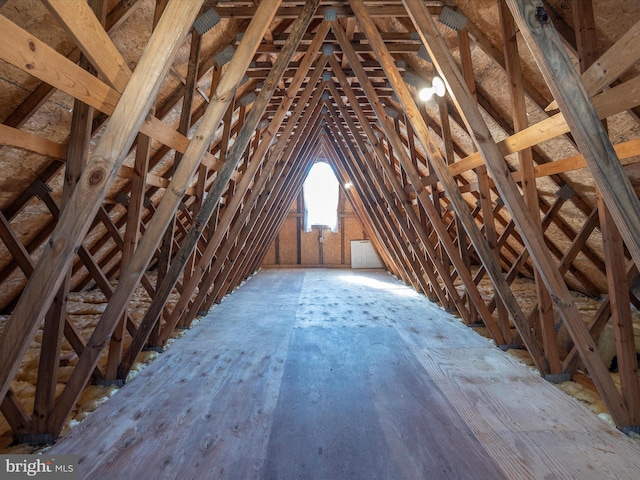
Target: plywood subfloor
{"type": "Point", "coordinates": [336, 374]}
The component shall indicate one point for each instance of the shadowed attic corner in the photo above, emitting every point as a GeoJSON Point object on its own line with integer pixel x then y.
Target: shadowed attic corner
{"type": "Point", "coordinates": [154, 154]}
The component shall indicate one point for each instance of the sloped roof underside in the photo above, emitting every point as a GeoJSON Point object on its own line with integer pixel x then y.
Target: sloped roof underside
{"type": "Point", "coordinates": [134, 143]}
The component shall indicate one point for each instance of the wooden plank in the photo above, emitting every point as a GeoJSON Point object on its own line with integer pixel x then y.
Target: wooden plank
{"type": "Point", "coordinates": [513, 200]}
{"type": "Point", "coordinates": [213, 195]}
{"type": "Point", "coordinates": [12, 137]}
{"type": "Point", "coordinates": [525, 157]}
{"type": "Point", "coordinates": [512, 418]}
{"type": "Point", "coordinates": [225, 221]}
{"type": "Point", "coordinates": [451, 188]}
{"type": "Point", "coordinates": [86, 199]}
{"type": "Point", "coordinates": [334, 403]}
{"type": "Point", "coordinates": [619, 58]}
{"type": "Point", "coordinates": [610, 102]}
{"type": "Point", "coordinates": [584, 123]}
{"type": "Point", "coordinates": [621, 318]}
{"type": "Point", "coordinates": [89, 34]}
{"type": "Point", "coordinates": [384, 193]}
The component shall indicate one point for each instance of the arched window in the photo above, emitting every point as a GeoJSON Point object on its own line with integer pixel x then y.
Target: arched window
{"type": "Point", "coordinates": [320, 193]}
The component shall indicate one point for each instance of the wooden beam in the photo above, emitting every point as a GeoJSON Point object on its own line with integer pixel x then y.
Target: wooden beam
{"type": "Point", "coordinates": [620, 57]}
{"type": "Point", "coordinates": [593, 141]}
{"type": "Point", "coordinates": [208, 206]}
{"type": "Point", "coordinates": [87, 31]}
{"type": "Point", "coordinates": [513, 200]}
{"type": "Point", "coordinates": [15, 414]}
{"type": "Point", "coordinates": [36, 58]}
{"type": "Point", "coordinates": [12, 137]}
{"type": "Point", "coordinates": [460, 205]}
{"type": "Point", "coordinates": [520, 122]}
{"type": "Point", "coordinates": [55, 318]}
{"type": "Point", "coordinates": [86, 199]}
{"type": "Point", "coordinates": [610, 102]}
{"type": "Point", "coordinates": [15, 246]}
{"type": "Point", "coordinates": [622, 320]}
{"type": "Point", "coordinates": [215, 276]}
{"type": "Point", "coordinates": [42, 92]}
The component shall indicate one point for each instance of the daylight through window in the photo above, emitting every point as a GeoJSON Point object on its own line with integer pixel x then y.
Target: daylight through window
{"type": "Point", "coordinates": [321, 191]}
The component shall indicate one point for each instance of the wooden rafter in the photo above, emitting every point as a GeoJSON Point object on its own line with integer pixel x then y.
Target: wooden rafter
{"type": "Point", "coordinates": [508, 191]}
{"type": "Point", "coordinates": [85, 200]}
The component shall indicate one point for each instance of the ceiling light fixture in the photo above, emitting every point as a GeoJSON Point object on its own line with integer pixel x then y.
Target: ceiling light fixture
{"type": "Point", "coordinates": [437, 87]}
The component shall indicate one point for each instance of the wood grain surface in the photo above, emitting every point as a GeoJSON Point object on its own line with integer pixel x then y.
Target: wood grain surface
{"type": "Point", "coordinates": [332, 374]}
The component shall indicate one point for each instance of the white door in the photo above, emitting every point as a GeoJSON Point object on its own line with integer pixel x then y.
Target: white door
{"type": "Point", "coordinates": [363, 255]}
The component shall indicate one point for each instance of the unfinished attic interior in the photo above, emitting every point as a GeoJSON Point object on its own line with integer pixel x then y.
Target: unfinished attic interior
{"type": "Point", "coordinates": [485, 152]}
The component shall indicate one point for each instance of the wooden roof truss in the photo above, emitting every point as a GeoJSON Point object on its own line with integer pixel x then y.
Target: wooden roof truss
{"type": "Point", "coordinates": [206, 194]}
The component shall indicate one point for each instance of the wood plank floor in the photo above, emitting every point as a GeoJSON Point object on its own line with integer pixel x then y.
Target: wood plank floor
{"type": "Point", "coordinates": [341, 374]}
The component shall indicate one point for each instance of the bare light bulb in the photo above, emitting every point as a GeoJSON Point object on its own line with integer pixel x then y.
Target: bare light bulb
{"type": "Point", "coordinates": [426, 93]}
{"type": "Point", "coordinates": [437, 87]}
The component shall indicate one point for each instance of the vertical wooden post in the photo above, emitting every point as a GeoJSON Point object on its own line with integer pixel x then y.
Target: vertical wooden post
{"type": "Point", "coordinates": [620, 312]}
{"type": "Point", "coordinates": [85, 201]}
{"type": "Point", "coordinates": [520, 122]}
{"type": "Point", "coordinates": [412, 173]}
{"type": "Point", "coordinates": [235, 154]}
{"type": "Point", "coordinates": [594, 144]}
{"type": "Point", "coordinates": [519, 212]}
{"type": "Point", "coordinates": [53, 330]}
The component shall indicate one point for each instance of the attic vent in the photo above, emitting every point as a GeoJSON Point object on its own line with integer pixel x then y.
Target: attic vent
{"type": "Point", "coordinates": [452, 19]}
{"type": "Point", "coordinates": [224, 56]}
{"type": "Point", "coordinates": [206, 21]}
{"type": "Point", "coordinates": [244, 80]}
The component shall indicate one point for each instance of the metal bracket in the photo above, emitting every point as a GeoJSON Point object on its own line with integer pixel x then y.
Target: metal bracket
{"type": "Point", "coordinates": [557, 377]}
